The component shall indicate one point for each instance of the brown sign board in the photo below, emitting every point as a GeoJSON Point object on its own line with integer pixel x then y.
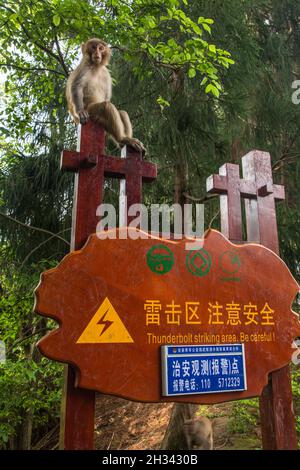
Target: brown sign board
{"type": "Point", "coordinates": [117, 301]}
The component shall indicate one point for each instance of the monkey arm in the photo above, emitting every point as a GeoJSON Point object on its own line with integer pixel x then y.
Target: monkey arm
{"type": "Point", "coordinates": [77, 98]}
{"type": "Point", "coordinates": [109, 88]}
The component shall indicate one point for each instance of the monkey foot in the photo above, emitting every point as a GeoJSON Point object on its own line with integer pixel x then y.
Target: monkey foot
{"type": "Point", "coordinates": [135, 144]}
{"type": "Point", "coordinates": [83, 117]}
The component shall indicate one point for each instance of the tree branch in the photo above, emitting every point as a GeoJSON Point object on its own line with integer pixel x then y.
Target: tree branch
{"type": "Point", "coordinates": [45, 49]}
{"type": "Point", "coordinates": [39, 246]}
{"type": "Point", "coordinates": [67, 72]}
{"type": "Point", "coordinates": [21, 340]}
{"type": "Point", "coordinates": [31, 227]}
{"type": "Point", "coordinates": [33, 69]}
{"type": "Point", "coordinates": [203, 199]}
{"type": "Point", "coordinates": [213, 219]}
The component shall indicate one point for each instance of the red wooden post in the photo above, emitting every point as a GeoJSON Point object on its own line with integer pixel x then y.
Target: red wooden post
{"type": "Point", "coordinates": [227, 185]}
{"type": "Point", "coordinates": [78, 405]}
{"type": "Point", "coordinates": [91, 166]}
{"type": "Point", "coordinates": [276, 402]}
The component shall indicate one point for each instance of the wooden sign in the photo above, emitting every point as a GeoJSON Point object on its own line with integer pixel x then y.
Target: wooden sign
{"type": "Point", "coordinates": [118, 301]}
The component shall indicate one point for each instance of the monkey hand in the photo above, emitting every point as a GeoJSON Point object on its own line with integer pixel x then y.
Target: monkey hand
{"type": "Point", "coordinates": [83, 116]}
{"type": "Point", "coordinates": [134, 143]}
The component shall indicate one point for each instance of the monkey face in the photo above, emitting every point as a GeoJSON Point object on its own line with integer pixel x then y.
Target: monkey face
{"type": "Point", "coordinates": [97, 51]}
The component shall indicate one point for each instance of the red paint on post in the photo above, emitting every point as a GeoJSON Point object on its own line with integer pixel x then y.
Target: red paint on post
{"type": "Point", "coordinates": [91, 166]}
{"type": "Point", "coordinates": [227, 184]}
{"type": "Point", "coordinates": [276, 403]}
{"type": "Point", "coordinates": [77, 426]}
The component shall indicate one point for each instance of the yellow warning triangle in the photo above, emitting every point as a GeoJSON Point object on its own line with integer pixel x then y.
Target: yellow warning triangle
{"type": "Point", "coordinates": [105, 327]}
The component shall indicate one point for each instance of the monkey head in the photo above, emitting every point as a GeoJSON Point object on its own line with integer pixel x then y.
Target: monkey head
{"type": "Point", "coordinates": [96, 52]}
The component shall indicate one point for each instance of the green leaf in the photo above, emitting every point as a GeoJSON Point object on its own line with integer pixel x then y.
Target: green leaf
{"type": "Point", "coordinates": [56, 20]}
{"type": "Point", "coordinates": [217, 84]}
{"type": "Point", "coordinates": [4, 130]}
{"type": "Point", "coordinates": [162, 102]}
{"type": "Point", "coordinates": [196, 29]}
{"type": "Point", "coordinates": [191, 73]}
{"type": "Point", "coordinates": [172, 43]}
{"type": "Point", "coordinates": [151, 22]}
{"type": "Point", "coordinates": [206, 27]}
{"type": "Point", "coordinates": [215, 91]}
{"type": "Point", "coordinates": [212, 89]}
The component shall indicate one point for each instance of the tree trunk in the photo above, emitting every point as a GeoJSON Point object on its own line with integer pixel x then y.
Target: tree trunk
{"type": "Point", "coordinates": [174, 438]}
{"type": "Point", "coordinates": [181, 182]}
{"type": "Point", "coordinates": [26, 431]}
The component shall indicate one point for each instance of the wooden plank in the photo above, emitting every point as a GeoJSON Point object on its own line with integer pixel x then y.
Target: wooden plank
{"type": "Point", "coordinates": [276, 401]}
{"type": "Point", "coordinates": [134, 176]}
{"type": "Point", "coordinates": [115, 167]}
{"type": "Point", "coordinates": [113, 335]}
{"type": "Point", "coordinates": [252, 224]}
{"type": "Point", "coordinates": [77, 417]}
{"type": "Point", "coordinates": [227, 184]}
{"type": "Point", "coordinates": [91, 165]}
{"type": "Point", "coordinates": [77, 423]}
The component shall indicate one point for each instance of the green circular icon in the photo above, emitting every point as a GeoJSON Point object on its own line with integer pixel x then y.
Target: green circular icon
{"type": "Point", "coordinates": [160, 259]}
{"type": "Point", "coordinates": [198, 262]}
{"type": "Point", "coordinates": [229, 262]}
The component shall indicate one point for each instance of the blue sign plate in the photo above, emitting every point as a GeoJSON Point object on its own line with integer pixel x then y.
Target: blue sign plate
{"type": "Point", "coordinates": [191, 370]}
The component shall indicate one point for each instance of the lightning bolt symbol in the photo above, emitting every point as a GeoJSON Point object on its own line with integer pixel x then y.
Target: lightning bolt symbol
{"type": "Point", "coordinates": [106, 323]}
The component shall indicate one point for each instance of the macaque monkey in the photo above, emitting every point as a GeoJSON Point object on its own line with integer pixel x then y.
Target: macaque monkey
{"type": "Point", "coordinates": [198, 433]}
{"type": "Point", "coordinates": [89, 91]}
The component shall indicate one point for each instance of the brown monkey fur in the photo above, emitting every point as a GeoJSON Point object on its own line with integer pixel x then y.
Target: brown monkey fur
{"type": "Point", "coordinates": [198, 433]}
{"type": "Point", "coordinates": [89, 90]}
